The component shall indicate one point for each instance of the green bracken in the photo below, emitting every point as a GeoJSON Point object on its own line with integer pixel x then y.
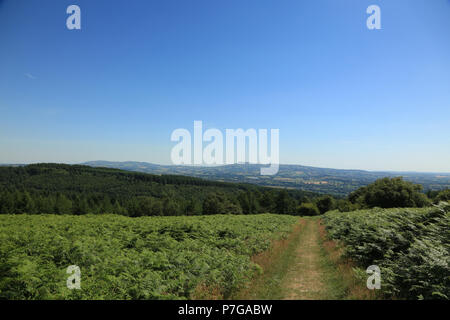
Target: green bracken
{"type": "Point", "coordinates": [411, 247]}
{"type": "Point", "coordinates": [131, 258]}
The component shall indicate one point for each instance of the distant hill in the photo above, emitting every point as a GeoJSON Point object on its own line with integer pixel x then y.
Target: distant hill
{"type": "Point", "coordinates": [321, 180]}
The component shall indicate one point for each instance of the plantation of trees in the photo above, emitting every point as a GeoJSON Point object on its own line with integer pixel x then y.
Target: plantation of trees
{"type": "Point", "coordinates": [66, 189]}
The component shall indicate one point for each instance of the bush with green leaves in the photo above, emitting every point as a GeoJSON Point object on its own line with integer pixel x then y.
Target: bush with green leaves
{"type": "Point", "coordinates": [131, 258]}
{"type": "Point", "coordinates": [443, 195]}
{"type": "Point", "coordinates": [410, 245]}
{"type": "Point", "coordinates": [307, 209]}
{"type": "Point", "coordinates": [325, 203]}
{"type": "Point", "coordinates": [390, 193]}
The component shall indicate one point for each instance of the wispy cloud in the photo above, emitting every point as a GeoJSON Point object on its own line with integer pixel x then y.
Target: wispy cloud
{"type": "Point", "coordinates": [30, 76]}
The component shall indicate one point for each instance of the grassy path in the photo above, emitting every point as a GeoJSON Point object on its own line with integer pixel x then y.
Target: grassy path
{"type": "Point", "coordinates": [305, 278]}
{"type": "Point", "coordinates": [302, 270]}
{"type": "Point", "coordinates": [312, 276]}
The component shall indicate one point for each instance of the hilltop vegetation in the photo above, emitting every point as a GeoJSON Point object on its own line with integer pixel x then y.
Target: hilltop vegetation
{"type": "Point", "coordinates": [66, 189]}
{"type": "Point", "coordinates": [124, 258]}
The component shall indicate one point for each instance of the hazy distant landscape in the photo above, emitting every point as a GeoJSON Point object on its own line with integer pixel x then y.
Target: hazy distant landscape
{"type": "Point", "coordinates": [321, 180]}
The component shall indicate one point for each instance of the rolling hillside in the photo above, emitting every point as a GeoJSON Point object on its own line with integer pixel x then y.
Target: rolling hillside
{"type": "Point", "coordinates": [76, 189]}
{"type": "Point", "coordinates": [321, 180]}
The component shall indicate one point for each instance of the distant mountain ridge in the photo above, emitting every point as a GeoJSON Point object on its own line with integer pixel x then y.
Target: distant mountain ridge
{"type": "Point", "coordinates": [322, 180]}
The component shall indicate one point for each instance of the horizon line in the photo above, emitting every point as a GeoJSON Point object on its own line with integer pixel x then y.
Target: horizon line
{"type": "Point", "coordinates": [224, 165]}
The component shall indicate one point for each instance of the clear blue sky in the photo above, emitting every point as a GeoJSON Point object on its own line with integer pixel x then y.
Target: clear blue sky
{"type": "Point", "coordinates": [342, 96]}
